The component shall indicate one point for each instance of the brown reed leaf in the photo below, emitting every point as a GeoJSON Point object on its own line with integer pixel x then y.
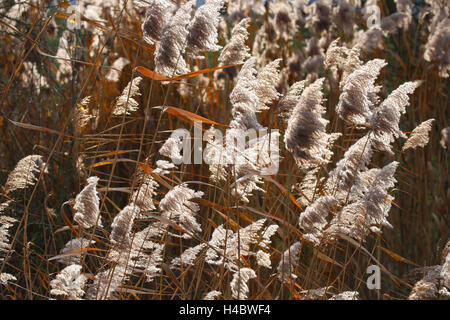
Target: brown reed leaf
{"type": "Point", "coordinates": [155, 76]}
{"type": "Point", "coordinates": [188, 116]}
{"type": "Point", "coordinates": [75, 253]}
{"type": "Point", "coordinates": [38, 128]}
{"type": "Point", "coordinates": [398, 257]}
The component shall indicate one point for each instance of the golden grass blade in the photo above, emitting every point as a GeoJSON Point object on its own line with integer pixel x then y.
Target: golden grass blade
{"type": "Point", "coordinates": [187, 115]}
{"type": "Point", "coordinates": [398, 257]}
{"type": "Point", "coordinates": [153, 75]}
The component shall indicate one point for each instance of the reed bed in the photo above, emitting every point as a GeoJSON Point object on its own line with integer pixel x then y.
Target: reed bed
{"type": "Point", "coordinates": [122, 177]}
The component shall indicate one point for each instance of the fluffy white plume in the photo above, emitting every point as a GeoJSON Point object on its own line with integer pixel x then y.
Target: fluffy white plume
{"type": "Point", "coordinates": [355, 160]}
{"type": "Point", "coordinates": [126, 102]}
{"type": "Point", "coordinates": [156, 15]}
{"type": "Point", "coordinates": [346, 295]}
{"type": "Point", "coordinates": [266, 82]}
{"type": "Point", "coordinates": [385, 118]}
{"type": "Point", "coordinates": [87, 205]}
{"type": "Point", "coordinates": [169, 60]}
{"type": "Point", "coordinates": [244, 99]}
{"type": "Point", "coordinates": [73, 249]}
{"type": "Point", "coordinates": [212, 295]}
{"type": "Point", "coordinates": [314, 218]}
{"type": "Point", "coordinates": [24, 173]}
{"type": "Point", "coordinates": [176, 207]}
{"type": "Point", "coordinates": [188, 256]}
{"type": "Point", "coordinates": [225, 245]}
{"type": "Point", "coordinates": [69, 283]}
{"type": "Point", "coordinates": [202, 34]}
{"type": "Point", "coordinates": [288, 263]}
{"type": "Point", "coordinates": [370, 212]}
{"type": "Point", "coordinates": [356, 100]}
{"type": "Point", "coordinates": [239, 283]}
{"type": "Point", "coordinates": [236, 50]}
{"type": "Point", "coordinates": [437, 48]}
{"type": "Point", "coordinates": [5, 277]}
{"type": "Point", "coordinates": [305, 135]}
{"type": "Point", "coordinates": [121, 226]}
{"type": "Point", "coordinates": [419, 136]}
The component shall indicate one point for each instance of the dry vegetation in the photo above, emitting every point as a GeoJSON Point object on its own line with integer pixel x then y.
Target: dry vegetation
{"type": "Point", "coordinates": [95, 205]}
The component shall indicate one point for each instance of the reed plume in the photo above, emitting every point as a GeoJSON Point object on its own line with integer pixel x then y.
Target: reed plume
{"type": "Point", "coordinates": [169, 59]}
{"type": "Point", "coordinates": [202, 31]}
{"type": "Point", "coordinates": [69, 282]}
{"type": "Point", "coordinates": [157, 13]}
{"type": "Point", "coordinates": [314, 218]}
{"type": "Point", "coordinates": [385, 118]}
{"type": "Point", "coordinates": [288, 263]}
{"type": "Point", "coordinates": [24, 173]}
{"type": "Point", "coordinates": [176, 206]}
{"type": "Point", "coordinates": [239, 283]}
{"type": "Point", "coordinates": [419, 136]}
{"type": "Point", "coordinates": [305, 135]}
{"type": "Point", "coordinates": [87, 205]}
{"type": "Point", "coordinates": [126, 102]}
{"type": "Point", "coordinates": [357, 98]}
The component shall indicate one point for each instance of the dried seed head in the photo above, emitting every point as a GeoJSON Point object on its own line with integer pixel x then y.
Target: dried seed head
{"type": "Point", "coordinates": [239, 283]}
{"type": "Point", "coordinates": [188, 256]}
{"type": "Point", "coordinates": [283, 19]}
{"type": "Point", "coordinates": [346, 295]}
{"type": "Point", "coordinates": [314, 218]}
{"type": "Point", "coordinates": [121, 226]}
{"type": "Point", "coordinates": [289, 101]}
{"type": "Point", "coordinates": [212, 295]}
{"type": "Point", "coordinates": [126, 102]}
{"type": "Point", "coordinates": [445, 139]}
{"type": "Point", "coordinates": [343, 58]}
{"type": "Point", "coordinates": [69, 282]}
{"type": "Point", "coordinates": [226, 246]}
{"type": "Point", "coordinates": [87, 205]}
{"type": "Point", "coordinates": [244, 99]}
{"type": "Point", "coordinates": [419, 136]}
{"type": "Point", "coordinates": [319, 16]}
{"type": "Point", "coordinates": [385, 118]}
{"type": "Point", "coordinates": [356, 100]}
{"type": "Point", "coordinates": [176, 207]}
{"type": "Point", "coordinates": [368, 40]}
{"type": "Point", "coordinates": [370, 212]}
{"type": "Point", "coordinates": [428, 287]}
{"type": "Point", "coordinates": [305, 135]}
{"type": "Point", "coordinates": [437, 48]}
{"type": "Point", "coordinates": [236, 50]}
{"type": "Point", "coordinates": [156, 15]}
{"type": "Point", "coordinates": [169, 60]}
{"type": "Point", "coordinates": [288, 263]}
{"type": "Point", "coordinates": [24, 174]}
{"type": "Point", "coordinates": [74, 248]}
{"type": "Point", "coordinates": [202, 34]}
{"type": "Point", "coordinates": [343, 16]}
{"type": "Point", "coordinates": [266, 82]}
{"type": "Point", "coordinates": [395, 21]}
{"type": "Point", "coordinates": [5, 277]}
{"type": "Point", "coordinates": [355, 160]}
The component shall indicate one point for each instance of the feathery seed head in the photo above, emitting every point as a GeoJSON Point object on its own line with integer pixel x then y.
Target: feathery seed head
{"type": "Point", "coordinates": [87, 205]}
{"type": "Point", "coordinates": [24, 173]}
{"type": "Point", "coordinates": [202, 34]}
